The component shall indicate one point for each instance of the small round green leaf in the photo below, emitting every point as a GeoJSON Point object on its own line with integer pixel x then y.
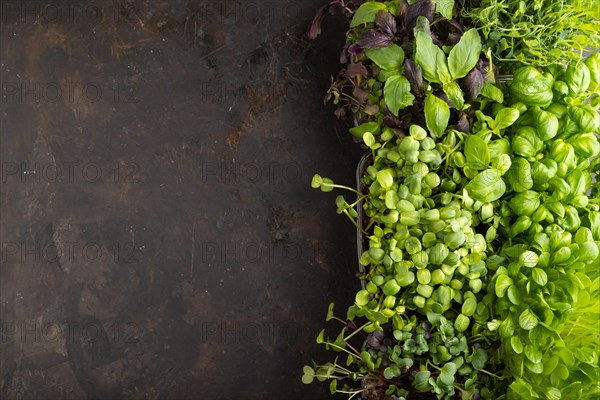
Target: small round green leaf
{"type": "Point", "coordinates": [362, 298]}
{"type": "Point", "coordinates": [391, 287]}
{"type": "Point", "coordinates": [503, 282]}
{"type": "Point", "coordinates": [528, 320]}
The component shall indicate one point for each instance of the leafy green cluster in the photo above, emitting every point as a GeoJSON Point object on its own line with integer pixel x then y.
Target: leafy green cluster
{"type": "Point", "coordinates": [482, 263]}
{"type": "Point", "coordinates": [537, 32]}
{"type": "Point", "coordinates": [551, 256]}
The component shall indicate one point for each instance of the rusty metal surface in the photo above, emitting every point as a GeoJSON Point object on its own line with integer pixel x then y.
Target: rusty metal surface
{"type": "Point", "coordinates": [159, 235]}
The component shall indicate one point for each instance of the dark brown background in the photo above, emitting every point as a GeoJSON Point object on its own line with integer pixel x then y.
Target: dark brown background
{"type": "Point", "coordinates": [159, 235]}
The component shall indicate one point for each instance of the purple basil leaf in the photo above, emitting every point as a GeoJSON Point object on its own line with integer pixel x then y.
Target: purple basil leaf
{"type": "Point", "coordinates": [386, 23]}
{"type": "Point", "coordinates": [371, 109]}
{"type": "Point", "coordinates": [414, 75]}
{"type": "Point", "coordinates": [340, 112]}
{"type": "Point", "coordinates": [356, 50]}
{"type": "Point", "coordinates": [356, 69]}
{"type": "Point", "coordinates": [463, 124]}
{"type": "Point", "coordinates": [374, 40]}
{"type": "Point", "coordinates": [314, 28]}
{"type": "Point", "coordinates": [424, 8]}
{"type": "Point", "coordinates": [391, 121]}
{"type": "Point", "coordinates": [472, 84]}
{"type": "Point", "coordinates": [361, 94]}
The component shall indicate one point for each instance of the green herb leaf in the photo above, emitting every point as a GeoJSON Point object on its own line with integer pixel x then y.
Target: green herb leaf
{"type": "Point", "coordinates": [507, 328]}
{"type": "Point", "coordinates": [308, 375]}
{"type": "Point", "coordinates": [533, 353]}
{"type": "Point", "coordinates": [385, 178]}
{"type": "Point", "coordinates": [503, 282]}
{"type": "Point", "coordinates": [514, 295]}
{"type": "Point", "coordinates": [492, 92]}
{"type": "Point", "coordinates": [397, 93]}
{"type": "Point", "coordinates": [437, 115]}
{"type": "Point", "coordinates": [444, 7]}
{"type": "Point", "coordinates": [361, 129]}
{"type": "Point", "coordinates": [421, 382]}
{"type": "Point", "coordinates": [539, 276]}
{"type": "Point", "coordinates": [391, 287]}
{"type": "Point", "coordinates": [506, 117]}
{"type": "Point", "coordinates": [516, 344]}
{"type": "Point", "coordinates": [479, 359]}
{"type": "Point", "coordinates": [362, 298]}
{"type": "Point", "coordinates": [390, 57]}
{"type": "Point", "coordinates": [523, 389]}
{"type": "Point", "coordinates": [454, 93]}
{"type": "Point", "coordinates": [430, 58]}
{"type": "Point", "coordinates": [477, 152]}
{"type": "Point", "coordinates": [487, 186]}
{"type": "Point", "coordinates": [577, 78]}
{"type": "Point", "coordinates": [528, 320]}
{"type": "Point", "coordinates": [447, 374]}
{"type": "Point", "coordinates": [464, 55]}
{"type": "Point", "coordinates": [329, 312]}
{"type": "Point", "coordinates": [519, 175]}
{"type": "Point", "coordinates": [367, 13]}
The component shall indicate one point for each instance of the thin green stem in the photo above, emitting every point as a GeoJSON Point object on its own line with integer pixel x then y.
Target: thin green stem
{"type": "Point", "coordinates": [335, 185]}
{"type": "Point", "coordinates": [342, 349]}
{"type": "Point", "coordinates": [356, 331]}
{"type": "Point", "coordinates": [492, 375]}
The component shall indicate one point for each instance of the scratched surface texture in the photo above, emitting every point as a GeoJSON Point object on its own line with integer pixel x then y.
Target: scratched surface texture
{"type": "Point", "coordinates": [160, 239]}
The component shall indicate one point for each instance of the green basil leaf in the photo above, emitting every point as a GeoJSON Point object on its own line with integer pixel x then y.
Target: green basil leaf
{"type": "Point", "coordinates": [367, 13]}
{"type": "Point", "coordinates": [487, 186]}
{"type": "Point", "coordinates": [499, 147]}
{"type": "Point", "coordinates": [464, 55]}
{"type": "Point", "coordinates": [578, 182]}
{"type": "Point", "coordinates": [444, 8]}
{"type": "Point", "coordinates": [455, 94]}
{"type": "Point", "coordinates": [593, 64]}
{"type": "Point", "coordinates": [477, 152]}
{"type": "Point", "coordinates": [506, 117]}
{"type": "Point", "coordinates": [586, 144]}
{"type": "Point", "coordinates": [577, 78]}
{"type": "Point", "coordinates": [586, 117]}
{"type": "Point", "coordinates": [437, 114]}
{"type": "Point", "coordinates": [546, 123]}
{"type": "Point", "coordinates": [492, 92]}
{"type": "Point", "coordinates": [397, 93]}
{"type": "Point", "coordinates": [390, 57]}
{"type": "Point", "coordinates": [361, 129]}
{"type": "Point", "coordinates": [531, 88]}
{"type": "Point", "coordinates": [430, 58]}
{"type": "Point", "coordinates": [525, 203]}
{"type": "Point", "coordinates": [526, 142]}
